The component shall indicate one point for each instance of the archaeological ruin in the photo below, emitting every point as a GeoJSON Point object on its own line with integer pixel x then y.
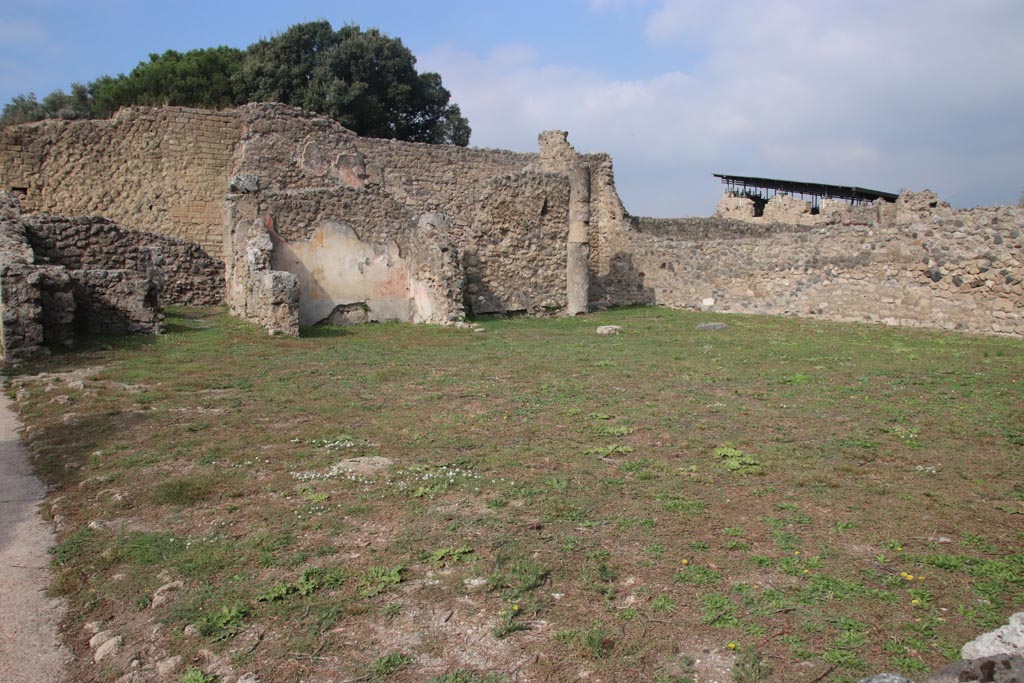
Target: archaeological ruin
{"type": "Point", "coordinates": [292, 220]}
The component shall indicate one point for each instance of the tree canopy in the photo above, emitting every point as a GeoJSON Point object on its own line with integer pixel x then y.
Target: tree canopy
{"type": "Point", "coordinates": [197, 78]}
{"type": "Point", "coordinates": [365, 80]}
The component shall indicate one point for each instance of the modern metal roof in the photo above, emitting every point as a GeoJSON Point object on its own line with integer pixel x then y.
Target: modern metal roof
{"type": "Point", "coordinates": [852, 194]}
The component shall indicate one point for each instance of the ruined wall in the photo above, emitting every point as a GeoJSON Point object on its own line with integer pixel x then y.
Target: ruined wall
{"type": "Point", "coordinates": [515, 252]}
{"type": "Point", "coordinates": [787, 210]}
{"type": "Point", "coordinates": [254, 290]}
{"type": "Point", "coordinates": [290, 151]}
{"type": "Point", "coordinates": [319, 215]}
{"type": "Point", "coordinates": [357, 255]}
{"type": "Point", "coordinates": [429, 178]}
{"type": "Point", "coordinates": [164, 170]}
{"type": "Point", "coordinates": [702, 228]}
{"type": "Point", "coordinates": [919, 263]}
{"type": "Point", "coordinates": [557, 155]}
{"type": "Point", "coordinates": [188, 276]}
{"type": "Point", "coordinates": [115, 302]}
{"type": "Point", "coordinates": [167, 171]}
{"type": "Point", "coordinates": [343, 213]}
{"type": "Point", "coordinates": [45, 301]}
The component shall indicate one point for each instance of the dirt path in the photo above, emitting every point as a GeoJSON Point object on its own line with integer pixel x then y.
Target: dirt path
{"type": "Point", "coordinates": [29, 649]}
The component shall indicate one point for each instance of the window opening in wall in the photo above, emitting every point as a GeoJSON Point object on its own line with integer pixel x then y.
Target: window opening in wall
{"type": "Point", "coordinates": [21, 191]}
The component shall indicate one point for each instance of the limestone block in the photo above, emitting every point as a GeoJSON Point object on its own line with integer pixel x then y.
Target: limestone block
{"type": "Point", "coordinates": [1007, 639]}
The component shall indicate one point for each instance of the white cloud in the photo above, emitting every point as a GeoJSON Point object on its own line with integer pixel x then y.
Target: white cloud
{"type": "Point", "coordinates": [878, 94]}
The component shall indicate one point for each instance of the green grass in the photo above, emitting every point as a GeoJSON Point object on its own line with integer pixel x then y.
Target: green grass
{"type": "Point", "coordinates": [611, 502]}
{"type": "Point", "coordinates": [383, 667]}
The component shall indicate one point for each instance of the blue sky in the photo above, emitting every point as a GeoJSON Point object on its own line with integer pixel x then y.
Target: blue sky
{"type": "Point", "coordinates": [889, 95]}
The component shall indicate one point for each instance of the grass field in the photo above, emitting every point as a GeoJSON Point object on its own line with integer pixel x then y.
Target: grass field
{"type": "Point", "coordinates": [783, 500]}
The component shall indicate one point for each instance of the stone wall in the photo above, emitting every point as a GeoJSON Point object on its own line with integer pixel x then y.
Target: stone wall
{"type": "Point", "coordinates": [788, 210]}
{"type": "Point", "coordinates": [357, 256]}
{"type": "Point", "coordinates": [60, 277]}
{"type": "Point", "coordinates": [116, 302]}
{"type": "Point", "coordinates": [289, 151]}
{"type": "Point", "coordinates": [255, 291]}
{"type": "Point", "coordinates": [515, 252]}
{"type": "Point", "coordinates": [188, 276]}
{"type": "Point", "coordinates": [918, 263]}
{"type": "Point", "coordinates": [511, 232]}
{"type": "Point", "coordinates": [701, 228]}
{"type": "Point", "coordinates": [606, 210]}
{"type": "Point", "coordinates": [343, 215]}
{"type": "Point", "coordinates": [164, 170]}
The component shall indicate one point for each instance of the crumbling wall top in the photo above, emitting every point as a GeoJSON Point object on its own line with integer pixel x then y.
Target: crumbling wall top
{"type": "Point", "coordinates": [557, 155]}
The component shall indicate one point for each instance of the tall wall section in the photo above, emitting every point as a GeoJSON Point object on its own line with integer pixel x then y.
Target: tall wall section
{"type": "Point", "coordinates": [311, 180]}
{"type": "Point", "coordinates": [291, 151]}
{"type": "Point", "coordinates": [606, 213]}
{"type": "Point", "coordinates": [168, 170]}
{"type": "Point", "coordinates": [164, 170]}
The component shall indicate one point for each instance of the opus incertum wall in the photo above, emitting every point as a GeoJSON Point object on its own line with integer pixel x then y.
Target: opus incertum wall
{"type": "Point", "coordinates": [318, 218]}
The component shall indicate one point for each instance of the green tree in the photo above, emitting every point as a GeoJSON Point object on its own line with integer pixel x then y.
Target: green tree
{"type": "Point", "coordinates": [58, 104]}
{"type": "Point", "coordinates": [279, 69]}
{"type": "Point", "coordinates": [364, 79]}
{"type": "Point", "coordinates": [22, 109]}
{"type": "Point", "coordinates": [76, 105]}
{"type": "Point", "coordinates": [197, 78]}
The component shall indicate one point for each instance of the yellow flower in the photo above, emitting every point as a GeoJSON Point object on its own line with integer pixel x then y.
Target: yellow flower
{"type": "Point", "coordinates": [685, 562]}
{"type": "Point", "coordinates": [732, 646]}
{"type": "Point", "coordinates": [796, 552]}
{"type": "Point", "coordinates": [915, 601]}
{"type": "Point", "coordinates": [807, 571]}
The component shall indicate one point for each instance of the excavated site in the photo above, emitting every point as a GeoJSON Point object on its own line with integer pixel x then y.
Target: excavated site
{"type": "Point", "coordinates": [293, 220]}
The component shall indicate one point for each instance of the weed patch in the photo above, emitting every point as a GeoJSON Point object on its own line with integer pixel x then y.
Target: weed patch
{"type": "Point", "coordinates": [735, 460]}
{"type": "Point", "coordinates": [377, 580]}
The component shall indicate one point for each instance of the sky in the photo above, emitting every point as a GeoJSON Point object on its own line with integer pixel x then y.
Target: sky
{"type": "Point", "coordinates": [883, 94]}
